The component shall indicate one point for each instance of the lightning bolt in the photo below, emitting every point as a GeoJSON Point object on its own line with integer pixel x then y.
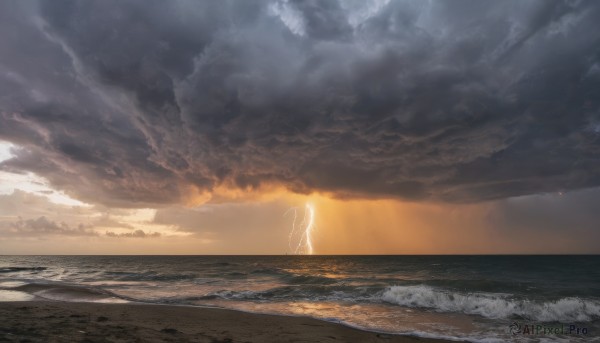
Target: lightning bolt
{"type": "Point", "coordinates": [304, 229]}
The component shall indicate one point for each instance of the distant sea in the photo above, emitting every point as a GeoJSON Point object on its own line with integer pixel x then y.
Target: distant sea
{"type": "Point", "coordinates": [479, 298]}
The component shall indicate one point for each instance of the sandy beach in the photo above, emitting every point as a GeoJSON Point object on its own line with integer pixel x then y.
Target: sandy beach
{"type": "Point", "coordinates": [46, 321]}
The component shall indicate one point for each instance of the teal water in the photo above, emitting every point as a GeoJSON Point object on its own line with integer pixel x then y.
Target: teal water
{"type": "Point", "coordinates": [458, 297]}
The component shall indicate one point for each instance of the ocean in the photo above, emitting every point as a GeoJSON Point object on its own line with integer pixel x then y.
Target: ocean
{"type": "Point", "coordinates": [478, 298]}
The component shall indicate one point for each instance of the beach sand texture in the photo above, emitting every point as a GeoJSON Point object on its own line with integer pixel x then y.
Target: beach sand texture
{"type": "Point", "coordinates": [49, 321]}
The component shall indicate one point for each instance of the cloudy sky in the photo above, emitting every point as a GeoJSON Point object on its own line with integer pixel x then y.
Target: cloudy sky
{"type": "Point", "coordinates": [187, 127]}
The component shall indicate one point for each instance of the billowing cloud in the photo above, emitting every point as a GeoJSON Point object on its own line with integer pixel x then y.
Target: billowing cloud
{"type": "Point", "coordinates": [139, 103]}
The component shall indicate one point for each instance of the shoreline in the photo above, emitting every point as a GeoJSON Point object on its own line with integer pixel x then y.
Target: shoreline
{"type": "Point", "coordinates": [57, 321]}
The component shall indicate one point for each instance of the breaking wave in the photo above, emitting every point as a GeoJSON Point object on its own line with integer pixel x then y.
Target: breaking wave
{"type": "Point", "coordinates": [290, 293]}
{"type": "Point", "coordinates": [58, 292]}
{"type": "Point", "coordinates": [491, 305]}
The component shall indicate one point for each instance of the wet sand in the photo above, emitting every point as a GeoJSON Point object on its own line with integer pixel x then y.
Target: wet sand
{"type": "Point", "coordinates": [53, 321]}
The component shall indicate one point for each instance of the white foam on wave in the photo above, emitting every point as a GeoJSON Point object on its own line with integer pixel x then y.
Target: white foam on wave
{"type": "Point", "coordinates": [77, 295]}
{"type": "Point", "coordinates": [11, 284]}
{"type": "Point", "coordinates": [492, 305]}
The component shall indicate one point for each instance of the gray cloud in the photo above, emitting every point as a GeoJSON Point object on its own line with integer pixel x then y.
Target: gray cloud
{"type": "Point", "coordinates": [565, 223]}
{"type": "Point", "coordinates": [577, 211]}
{"type": "Point", "coordinates": [129, 103]}
{"type": "Point", "coordinates": [42, 226]}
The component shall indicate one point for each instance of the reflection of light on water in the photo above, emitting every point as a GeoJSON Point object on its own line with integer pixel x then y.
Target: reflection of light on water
{"type": "Point", "coordinates": [304, 230]}
{"type": "Point", "coordinates": [382, 318]}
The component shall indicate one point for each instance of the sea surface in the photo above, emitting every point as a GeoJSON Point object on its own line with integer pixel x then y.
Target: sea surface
{"type": "Point", "coordinates": [478, 298]}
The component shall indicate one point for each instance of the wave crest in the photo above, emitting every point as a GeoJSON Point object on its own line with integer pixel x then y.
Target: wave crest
{"type": "Point", "coordinates": [492, 305]}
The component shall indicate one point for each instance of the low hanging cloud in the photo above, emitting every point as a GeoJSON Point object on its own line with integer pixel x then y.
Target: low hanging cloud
{"type": "Point", "coordinates": [42, 226]}
{"type": "Point", "coordinates": [134, 234]}
{"type": "Point", "coordinates": [137, 103]}
{"type": "Point", "coordinates": [24, 214]}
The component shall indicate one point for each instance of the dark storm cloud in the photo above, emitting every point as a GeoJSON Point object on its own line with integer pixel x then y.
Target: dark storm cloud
{"type": "Point", "coordinates": [132, 102]}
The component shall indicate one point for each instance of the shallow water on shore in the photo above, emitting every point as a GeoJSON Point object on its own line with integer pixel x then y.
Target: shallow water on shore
{"type": "Point", "coordinates": [483, 298]}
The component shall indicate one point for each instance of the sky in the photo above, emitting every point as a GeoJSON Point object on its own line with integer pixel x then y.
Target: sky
{"type": "Point", "coordinates": [273, 127]}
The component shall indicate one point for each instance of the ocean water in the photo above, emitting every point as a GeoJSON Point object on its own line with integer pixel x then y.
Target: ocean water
{"type": "Point", "coordinates": [478, 298]}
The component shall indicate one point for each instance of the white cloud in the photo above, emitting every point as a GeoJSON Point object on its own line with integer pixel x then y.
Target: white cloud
{"type": "Point", "coordinates": [5, 153]}
{"type": "Point", "coordinates": [289, 16]}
